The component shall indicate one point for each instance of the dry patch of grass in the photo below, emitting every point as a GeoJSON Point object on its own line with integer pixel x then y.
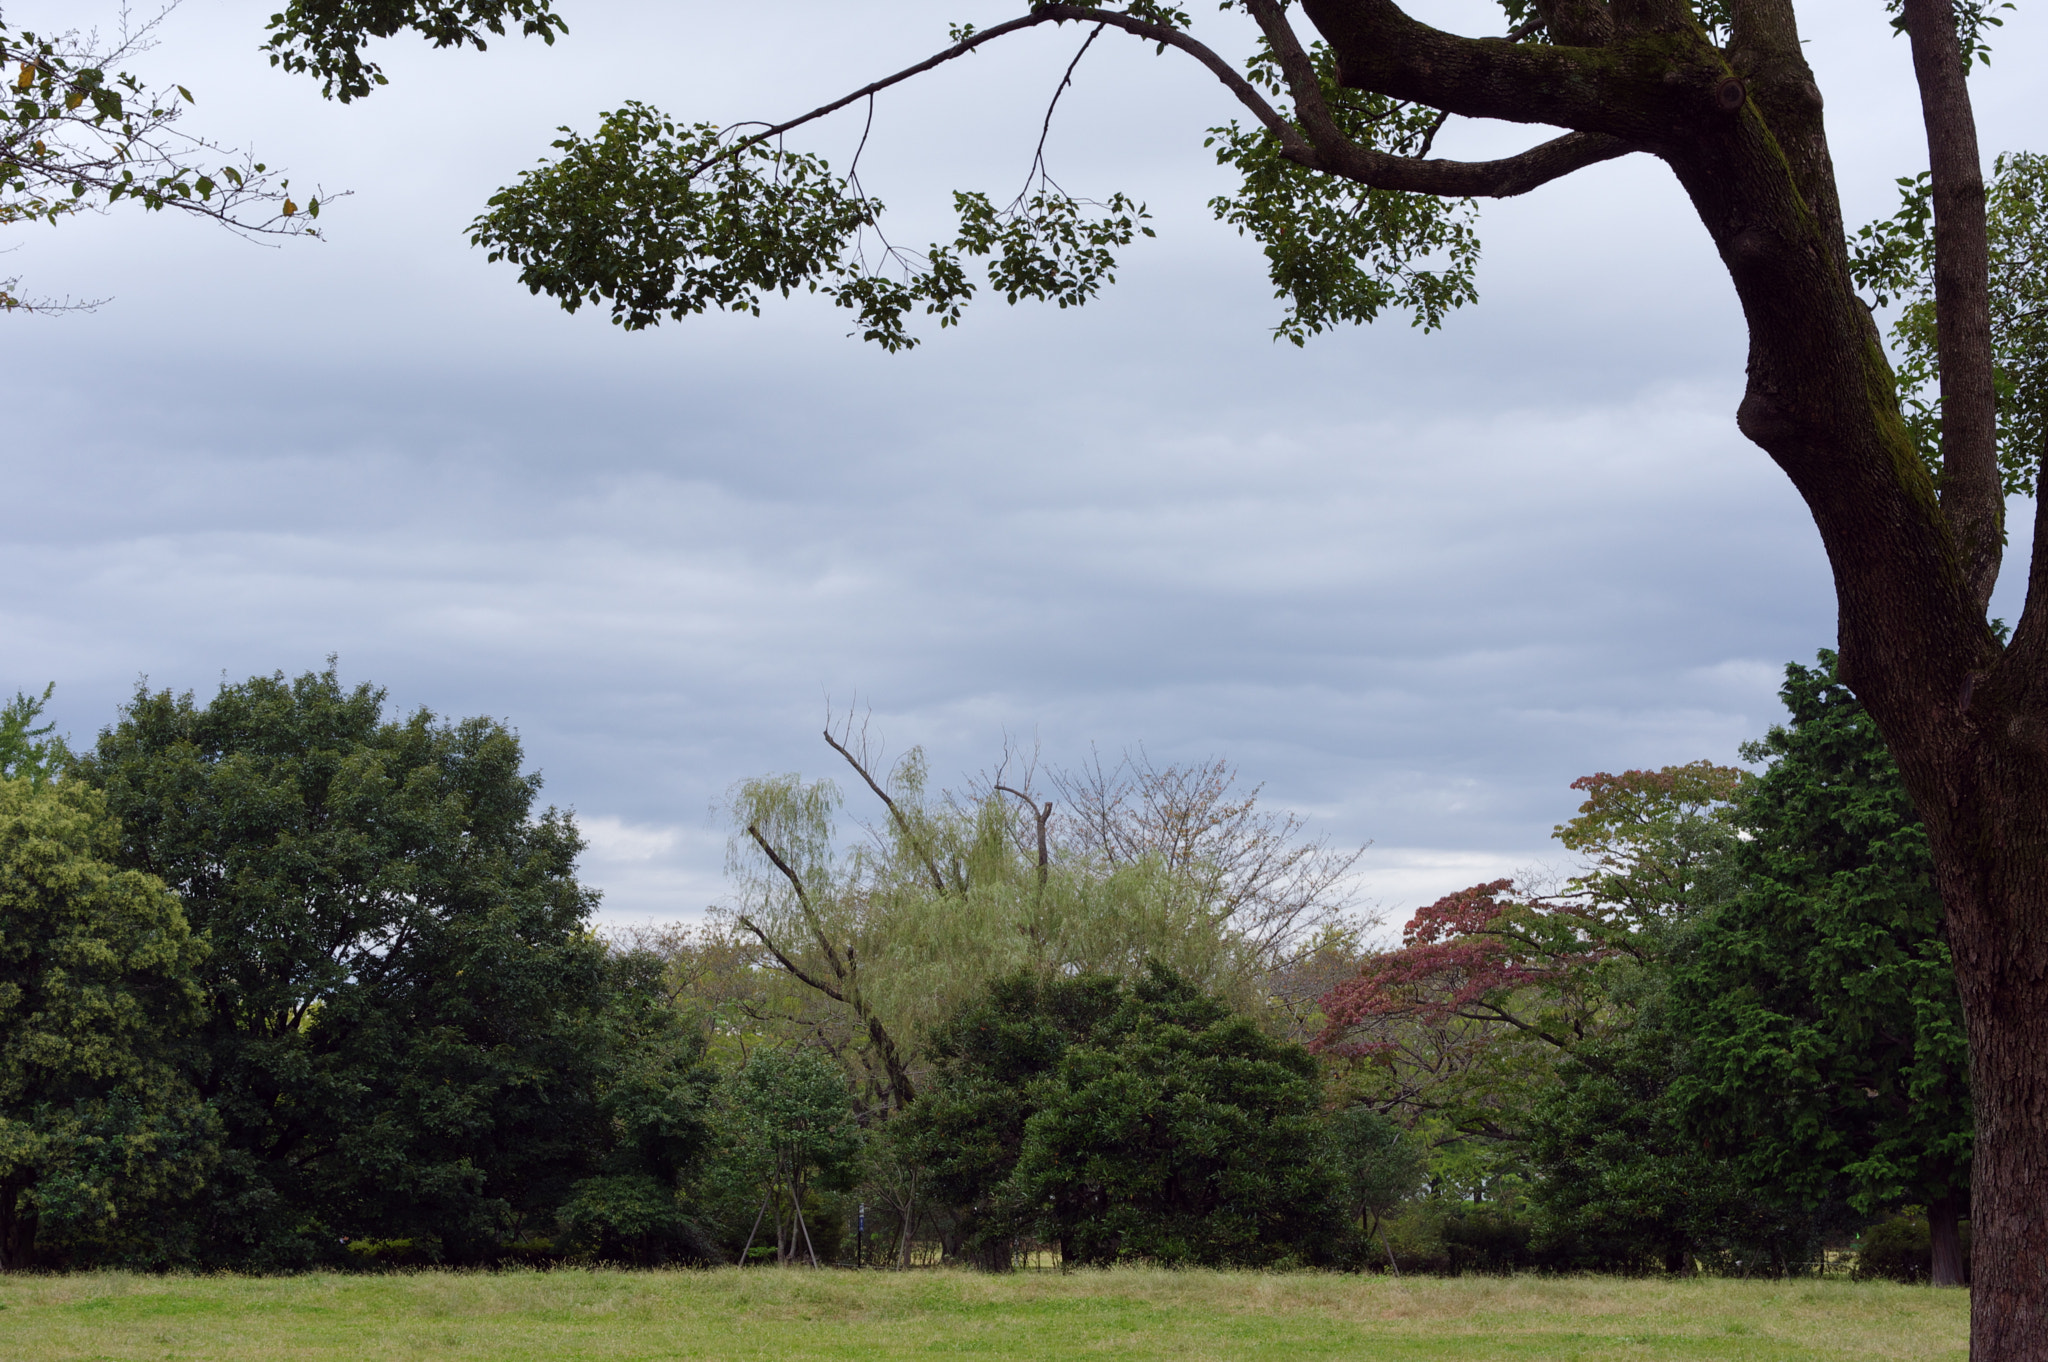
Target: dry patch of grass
{"type": "Point", "coordinates": [736, 1316]}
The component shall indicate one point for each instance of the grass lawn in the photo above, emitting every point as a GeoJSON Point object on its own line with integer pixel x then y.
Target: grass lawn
{"type": "Point", "coordinates": [1129, 1313]}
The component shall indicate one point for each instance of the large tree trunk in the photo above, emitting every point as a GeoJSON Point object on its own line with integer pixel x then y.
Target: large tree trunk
{"type": "Point", "coordinates": [1995, 884]}
{"type": "Point", "coordinates": [1945, 1241]}
{"type": "Point", "coordinates": [1966, 718]}
{"type": "Point", "coordinates": [17, 1227]}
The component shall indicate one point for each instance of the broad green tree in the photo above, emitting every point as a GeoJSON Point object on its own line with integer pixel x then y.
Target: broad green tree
{"type": "Point", "coordinates": [793, 1119]}
{"type": "Point", "coordinates": [1179, 1133]}
{"type": "Point", "coordinates": [405, 1008]}
{"type": "Point", "coordinates": [1827, 1054]}
{"type": "Point", "coordinates": [966, 1131]}
{"type": "Point", "coordinates": [101, 1133]}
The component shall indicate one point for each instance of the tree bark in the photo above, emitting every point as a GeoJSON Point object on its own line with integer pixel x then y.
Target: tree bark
{"type": "Point", "coordinates": [1944, 1233]}
{"type": "Point", "coordinates": [1971, 491]}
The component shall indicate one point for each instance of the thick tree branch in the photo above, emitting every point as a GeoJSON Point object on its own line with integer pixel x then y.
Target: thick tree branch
{"type": "Point", "coordinates": [1333, 152]}
{"type": "Point", "coordinates": [1578, 23]}
{"type": "Point", "coordinates": [1971, 492]}
{"type": "Point", "coordinates": [1647, 90]}
{"type": "Point", "coordinates": [1758, 28]}
{"type": "Point", "coordinates": [790, 967]}
{"type": "Point", "coordinates": [1300, 70]}
{"type": "Point", "coordinates": [803, 899]}
{"type": "Point", "coordinates": [903, 1090]}
{"type": "Point", "coordinates": [885, 1045]}
{"type": "Point", "coordinates": [1501, 179]}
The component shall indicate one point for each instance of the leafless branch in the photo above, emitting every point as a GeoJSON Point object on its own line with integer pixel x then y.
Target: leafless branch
{"type": "Point", "coordinates": [1045, 130]}
{"type": "Point", "coordinates": [902, 821]}
{"type": "Point", "coordinates": [1042, 817]}
{"type": "Point", "coordinates": [1046, 14]}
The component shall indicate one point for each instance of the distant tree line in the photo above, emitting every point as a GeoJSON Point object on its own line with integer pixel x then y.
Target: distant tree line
{"type": "Point", "coordinates": [287, 982]}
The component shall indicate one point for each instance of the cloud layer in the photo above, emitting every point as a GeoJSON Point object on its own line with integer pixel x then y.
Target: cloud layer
{"type": "Point", "coordinates": [1414, 584]}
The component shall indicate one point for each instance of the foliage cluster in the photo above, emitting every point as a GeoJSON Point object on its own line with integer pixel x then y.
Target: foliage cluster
{"type": "Point", "coordinates": [292, 983]}
{"type": "Point", "coordinates": [1727, 1043]}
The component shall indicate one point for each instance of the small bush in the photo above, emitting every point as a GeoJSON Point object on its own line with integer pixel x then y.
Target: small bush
{"type": "Point", "coordinates": [421, 1252]}
{"type": "Point", "coordinates": [1449, 1239]}
{"type": "Point", "coordinates": [1901, 1250]}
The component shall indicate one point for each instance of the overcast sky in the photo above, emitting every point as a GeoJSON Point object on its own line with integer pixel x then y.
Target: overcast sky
{"type": "Point", "coordinates": [1415, 584]}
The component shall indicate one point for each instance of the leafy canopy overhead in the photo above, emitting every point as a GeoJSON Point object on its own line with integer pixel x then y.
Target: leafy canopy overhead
{"type": "Point", "coordinates": [78, 135]}
{"type": "Point", "coordinates": [324, 38]}
{"type": "Point", "coordinates": [657, 219]}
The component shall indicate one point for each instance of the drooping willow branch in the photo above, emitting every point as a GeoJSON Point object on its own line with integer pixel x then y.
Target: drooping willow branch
{"type": "Point", "coordinates": [845, 972]}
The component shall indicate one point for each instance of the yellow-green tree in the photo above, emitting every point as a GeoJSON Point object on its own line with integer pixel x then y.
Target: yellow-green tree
{"type": "Point", "coordinates": [99, 1130]}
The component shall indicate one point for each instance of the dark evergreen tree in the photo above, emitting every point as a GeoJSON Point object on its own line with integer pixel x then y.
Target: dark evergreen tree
{"type": "Point", "coordinates": [1827, 1054]}
{"type": "Point", "coordinates": [1127, 1122]}
{"type": "Point", "coordinates": [966, 1131]}
{"type": "Point", "coordinates": [1624, 1185]}
{"type": "Point", "coordinates": [1179, 1132]}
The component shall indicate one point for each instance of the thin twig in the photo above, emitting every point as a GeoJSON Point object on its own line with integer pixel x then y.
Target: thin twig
{"type": "Point", "coordinates": [1045, 130]}
{"type": "Point", "coordinates": [1246, 93]}
{"type": "Point", "coordinates": [1443, 116]}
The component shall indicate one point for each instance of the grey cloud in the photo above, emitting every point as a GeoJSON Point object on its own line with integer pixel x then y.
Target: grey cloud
{"type": "Point", "coordinates": [1415, 584]}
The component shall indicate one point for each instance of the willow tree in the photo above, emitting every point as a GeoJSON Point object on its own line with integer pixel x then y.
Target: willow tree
{"type": "Point", "coordinates": [1129, 867]}
{"type": "Point", "coordinates": [1342, 101]}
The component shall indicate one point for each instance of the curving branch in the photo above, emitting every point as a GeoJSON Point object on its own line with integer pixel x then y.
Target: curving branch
{"type": "Point", "coordinates": [1331, 151]}
{"type": "Point", "coordinates": [903, 1090]}
{"type": "Point", "coordinates": [1247, 94]}
{"type": "Point", "coordinates": [1640, 88]}
{"type": "Point", "coordinates": [1042, 817]}
{"type": "Point", "coordinates": [1300, 73]}
{"type": "Point", "coordinates": [1501, 179]}
{"type": "Point", "coordinates": [803, 899]}
{"type": "Point", "coordinates": [902, 821]}
{"type": "Point", "coordinates": [1044, 14]}
{"type": "Point", "coordinates": [789, 966]}
{"type": "Point", "coordinates": [959, 49]}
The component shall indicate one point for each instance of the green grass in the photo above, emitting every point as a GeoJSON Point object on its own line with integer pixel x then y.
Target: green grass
{"type": "Point", "coordinates": [1130, 1313]}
